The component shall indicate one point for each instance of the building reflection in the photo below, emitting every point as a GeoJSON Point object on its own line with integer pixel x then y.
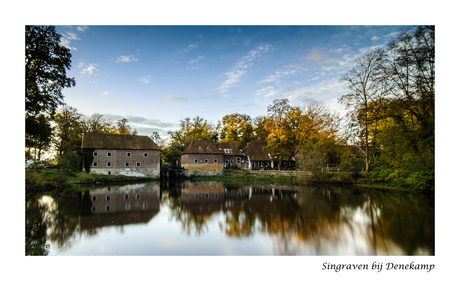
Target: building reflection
{"type": "Point", "coordinates": [119, 206]}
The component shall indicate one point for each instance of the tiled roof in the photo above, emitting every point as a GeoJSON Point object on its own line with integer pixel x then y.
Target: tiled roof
{"type": "Point", "coordinates": [107, 141]}
{"type": "Point", "coordinates": [256, 151]}
{"type": "Point", "coordinates": [201, 147]}
{"type": "Point", "coordinates": [229, 145]}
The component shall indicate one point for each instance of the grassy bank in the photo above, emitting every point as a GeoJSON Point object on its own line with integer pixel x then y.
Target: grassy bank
{"type": "Point", "coordinates": [44, 179]}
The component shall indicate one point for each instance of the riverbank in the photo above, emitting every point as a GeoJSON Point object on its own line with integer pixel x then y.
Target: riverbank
{"type": "Point", "coordinates": [43, 179]}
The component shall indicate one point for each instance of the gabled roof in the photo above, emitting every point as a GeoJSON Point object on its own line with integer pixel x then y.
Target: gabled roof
{"type": "Point", "coordinates": [229, 145]}
{"type": "Point", "coordinates": [256, 151]}
{"type": "Point", "coordinates": [107, 141]}
{"type": "Point", "coordinates": [201, 147]}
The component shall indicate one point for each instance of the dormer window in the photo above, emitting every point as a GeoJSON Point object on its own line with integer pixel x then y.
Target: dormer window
{"type": "Point", "coordinates": [199, 147]}
{"type": "Point", "coordinates": [227, 150]}
{"type": "Point", "coordinates": [208, 148]}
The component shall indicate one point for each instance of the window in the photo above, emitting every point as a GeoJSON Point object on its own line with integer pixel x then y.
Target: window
{"type": "Point", "coordinates": [94, 197]}
{"type": "Point", "coordinates": [109, 164]}
{"type": "Point", "coordinates": [126, 164]}
{"type": "Point", "coordinates": [206, 161]}
{"type": "Point", "coordinates": [107, 197]}
{"type": "Point", "coordinates": [128, 154]}
{"type": "Point", "coordinates": [138, 196]}
{"type": "Point", "coordinates": [206, 195]}
{"type": "Point", "coordinates": [138, 164]}
{"type": "Point", "coordinates": [109, 154]}
{"type": "Point", "coordinates": [216, 195]}
{"type": "Point", "coordinates": [227, 150]}
{"type": "Point", "coordinates": [238, 159]}
{"type": "Point", "coordinates": [196, 161]}
{"type": "Point", "coordinates": [199, 147]}
{"type": "Point", "coordinates": [146, 154]}
{"type": "Point", "coordinates": [226, 160]}
{"type": "Point", "coordinates": [197, 195]}
{"type": "Point", "coordinates": [93, 208]}
{"type": "Point", "coordinates": [126, 196]}
{"type": "Point", "coordinates": [107, 208]}
{"type": "Point", "coordinates": [94, 154]}
{"type": "Point", "coordinates": [145, 206]}
{"type": "Point", "coordinates": [127, 207]}
{"type": "Point", "coordinates": [215, 161]}
{"type": "Point", "coordinates": [94, 164]}
{"type": "Point", "coordinates": [208, 148]}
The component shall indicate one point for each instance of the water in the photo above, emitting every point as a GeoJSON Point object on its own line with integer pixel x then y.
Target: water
{"type": "Point", "coordinates": [215, 218]}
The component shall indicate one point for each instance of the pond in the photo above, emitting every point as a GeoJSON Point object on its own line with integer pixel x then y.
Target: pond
{"type": "Point", "coordinates": [216, 218]}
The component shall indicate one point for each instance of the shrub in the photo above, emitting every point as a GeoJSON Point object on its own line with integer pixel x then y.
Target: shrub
{"type": "Point", "coordinates": [68, 162]}
{"type": "Point", "coordinates": [422, 180]}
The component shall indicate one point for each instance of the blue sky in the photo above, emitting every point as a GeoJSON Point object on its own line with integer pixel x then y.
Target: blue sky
{"type": "Point", "coordinates": [157, 75]}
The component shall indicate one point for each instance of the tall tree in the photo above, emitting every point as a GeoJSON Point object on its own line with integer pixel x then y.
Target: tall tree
{"type": "Point", "coordinates": [410, 76]}
{"type": "Point", "coordinates": [68, 130]}
{"type": "Point", "coordinates": [365, 82]}
{"type": "Point", "coordinates": [237, 128]}
{"type": "Point", "coordinates": [46, 63]}
{"type": "Point", "coordinates": [190, 129]}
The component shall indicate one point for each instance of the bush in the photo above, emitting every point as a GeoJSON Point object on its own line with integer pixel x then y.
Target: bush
{"type": "Point", "coordinates": [422, 180]}
{"type": "Point", "coordinates": [68, 162]}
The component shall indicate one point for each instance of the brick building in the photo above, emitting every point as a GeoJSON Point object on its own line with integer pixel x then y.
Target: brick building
{"type": "Point", "coordinates": [123, 155]}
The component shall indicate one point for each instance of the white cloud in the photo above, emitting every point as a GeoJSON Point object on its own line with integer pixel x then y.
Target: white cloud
{"type": "Point", "coordinates": [190, 47]}
{"type": "Point", "coordinates": [90, 68]}
{"type": "Point", "coordinates": [145, 79]}
{"type": "Point", "coordinates": [268, 91]}
{"type": "Point", "coordinates": [82, 28]}
{"type": "Point", "coordinates": [234, 75]}
{"type": "Point", "coordinates": [375, 37]}
{"type": "Point", "coordinates": [393, 34]}
{"type": "Point", "coordinates": [66, 43]}
{"type": "Point", "coordinates": [129, 58]}
{"type": "Point", "coordinates": [106, 93]}
{"type": "Point", "coordinates": [196, 60]}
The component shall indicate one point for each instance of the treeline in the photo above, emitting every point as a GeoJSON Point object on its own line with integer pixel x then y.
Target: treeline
{"type": "Point", "coordinates": [387, 136]}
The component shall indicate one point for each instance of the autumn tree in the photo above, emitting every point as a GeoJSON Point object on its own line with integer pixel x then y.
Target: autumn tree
{"type": "Point", "coordinates": [189, 129]}
{"type": "Point", "coordinates": [237, 128]}
{"type": "Point", "coordinates": [410, 79]}
{"type": "Point", "coordinates": [365, 82]}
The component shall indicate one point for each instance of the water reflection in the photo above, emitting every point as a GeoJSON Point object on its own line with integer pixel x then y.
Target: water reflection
{"type": "Point", "coordinates": [301, 221]}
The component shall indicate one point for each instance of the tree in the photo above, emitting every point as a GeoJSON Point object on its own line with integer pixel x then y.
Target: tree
{"type": "Point", "coordinates": [68, 130]}
{"type": "Point", "coordinates": [260, 133]}
{"type": "Point", "coordinates": [237, 128]}
{"type": "Point", "coordinates": [364, 81]}
{"type": "Point", "coordinates": [190, 129]}
{"type": "Point", "coordinates": [410, 79]}
{"type": "Point", "coordinates": [96, 125]}
{"type": "Point", "coordinates": [46, 63]}
{"type": "Point", "coordinates": [39, 134]}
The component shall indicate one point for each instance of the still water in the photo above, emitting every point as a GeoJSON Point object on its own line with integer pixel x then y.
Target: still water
{"type": "Point", "coordinates": [215, 218]}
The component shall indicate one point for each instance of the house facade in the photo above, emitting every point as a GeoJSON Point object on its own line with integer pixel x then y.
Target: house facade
{"type": "Point", "coordinates": [257, 156]}
{"type": "Point", "coordinates": [202, 158]}
{"type": "Point", "coordinates": [233, 156]}
{"type": "Point", "coordinates": [123, 155]}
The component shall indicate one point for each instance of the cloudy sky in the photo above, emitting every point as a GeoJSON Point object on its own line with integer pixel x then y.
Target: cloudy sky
{"type": "Point", "coordinates": [157, 75]}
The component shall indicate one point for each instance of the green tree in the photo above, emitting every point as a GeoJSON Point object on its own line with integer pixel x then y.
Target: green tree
{"type": "Point", "coordinates": [46, 63]}
{"type": "Point", "coordinates": [237, 128]}
{"type": "Point", "coordinates": [68, 130]}
{"type": "Point", "coordinates": [189, 129]}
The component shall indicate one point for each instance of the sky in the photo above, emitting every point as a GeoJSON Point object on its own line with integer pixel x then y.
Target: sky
{"type": "Point", "coordinates": [156, 75]}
